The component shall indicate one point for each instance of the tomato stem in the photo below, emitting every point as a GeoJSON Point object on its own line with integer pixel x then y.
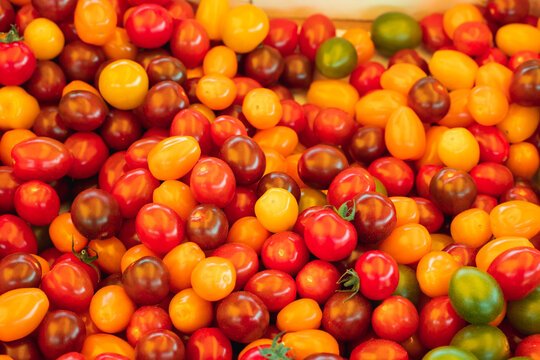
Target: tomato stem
{"type": "Point", "coordinates": [276, 351]}
{"type": "Point", "coordinates": [11, 36]}
{"type": "Point", "coordinates": [84, 255]}
{"type": "Point", "coordinates": [351, 282]}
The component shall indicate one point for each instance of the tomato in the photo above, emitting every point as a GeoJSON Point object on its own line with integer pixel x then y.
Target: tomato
{"type": "Point", "coordinates": [514, 218]}
{"type": "Point", "coordinates": [146, 319]}
{"type": "Point", "coordinates": [333, 93]}
{"type": "Point", "coordinates": [133, 190]}
{"type": "Point", "coordinates": [64, 236]}
{"type": "Point", "coordinates": [379, 349]}
{"type": "Point", "coordinates": [97, 344]}
{"type": "Point", "coordinates": [307, 342]}
{"type": "Point", "coordinates": [149, 26]}
{"type": "Point", "coordinates": [433, 34]}
{"type": "Point", "coordinates": [18, 61]}
{"type": "Point", "coordinates": [112, 169]}
{"type": "Point", "coordinates": [395, 319]}
{"type": "Point", "coordinates": [123, 83]}
{"type": "Point", "coordinates": [262, 348]}
{"type": "Point", "coordinates": [285, 251]}
{"type": "Point", "coordinates": [276, 210]}
{"type": "Point", "coordinates": [20, 270]}
{"type": "Point", "coordinates": [449, 352]}
{"type": "Point", "coordinates": [438, 323]}
{"type": "Point", "coordinates": [18, 108]}
{"type": "Point", "coordinates": [512, 38]}
{"type": "Point", "coordinates": [336, 58]}
{"type": "Point", "coordinates": [434, 272]}
{"type": "Point", "coordinates": [407, 243]}
{"type": "Point", "coordinates": [213, 278]}
{"type": "Point", "coordinates": [160, 343]}
{"type": "Point", "coordinates": [95, 21]}
{"type": "Point", "coordinates": [210, 14]}
{"type": "Point", "coordinates": [24, 309]}
{"type": "Point", "coordinates": [16, 236]}
{"type": "Point", "coordinates": [212, 181]}
{"type": "Point", "coordinates": [189, 312]}
{"type": "Point", "coordinates": [393, 31]}
{"type": "Point", "coordinates": [275, 288]}
{"type": "Point", "coordinates": [408, 286]}
{"type": "Point", "coordinates": [475, 338]}
{"type": "Point", "coordinates": [366, 77]}
{"type": "Point", "coordinates": [137, 152]}
{"type": "Point", "coordinates": [224, 127]}
{"type": "Point", "coordinates": [89, 153]}
{"type": "Point", "coordinates": [527, 348]}
{"type": "Point", "coordinates": [190, 42]}
{"type": "Point", "coordinates": [377, 274]}
{"type": "Point", "coordinates": [36, 202]}
{"type": "Point", "coordinates": [209, 343]}
{"type": "Point", "coordinates": [181, 261]}
{"type": "Point", "coordinates": [216, 91]}
{"type": "Point", "coordinates": [159, 236]}
{"type": "Point", "coordinates": [453, 191]}
{"type": "Point", "coordinates": [177, 154]}
{"type": "Point", "coordinates": [301, 314]}
{"type": "Point", "coordinates": [53, 342]}
{"type": "Point", "coordinates": [44, 38]}
{"type": "Point", "coordinates": [471, 227]}
{"type": "Point", "coordinates": [315, 30]}
{"type": "Point", "coordinates": [146, 280]}
{"type": "Point", "coordinates": [317, 280]}
{"type": "Point", "coordinates": [282, 35]}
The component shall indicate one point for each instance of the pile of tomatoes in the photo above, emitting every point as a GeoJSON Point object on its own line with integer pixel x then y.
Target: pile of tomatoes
{"type": "Point", "coordinates": [164, 196]}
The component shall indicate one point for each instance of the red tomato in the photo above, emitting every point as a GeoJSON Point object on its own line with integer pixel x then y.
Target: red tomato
{"type": "Point", "coordinates": [190, 43]}
{"type": "Point", "coordinates": [367, 77]}
{"type": "Point", "coordinates": [349, 183]}
{"type": "Point", "coordinates": [159, 227]}
{"type": "Point", "coordinates": [396, 176]}
{"type": "Point", "coordinates": [149, 26]}
{"type": "Point", "coordinates": [433, 35]}
{"type": "Point", "coordinates": [282, 35]}
{"type": "Point", "coordinates": [8, 186]}
{"type": "Point", "coordinates": [133, 190]}
{"type": "Point", "coordinates": [293, 115]}
{"type": "Point", "coordinates": [275, 288]}
{"type": "Point", "coordinates": [189, 122]}
{"type": "Point", "coordinates": [395, 319]}
{"type": "Point", "coordinates": [112, 169]}
{"type": "Point", "coordinates": [492, 178]}
{"type": "Point", "coordinates": [212, 182]}
{"type": "Point", "coordinates": [17, 61]}
{"type": "Point", "coordinates": [244, 259]}
{"type": "Point", "coordinates": [317, 280]}
{"type": "Point", "coordinates": [16, 236]}
{"type": "Point", "coordinates": [89, 153]}
{"type": "Point", "coordinates": [438, 323]}
{"type": "Point", "coordinates": [208, 344]}
{"type": "Point", "coordinates": [316, 29]}
{"type": "Point", "coordinates": [529, 347]}
{"type": "Point", "coordinates": [137, 153]}
{"type": "Point", "coordinates": [84, 259]}
{"type": "Point", "coordinates": [379, 349]}
{"type": "Point", "coordinates": [146, 319]}
{"type": "Point", "coordinates": [285, 251]}
{"type": "Point", "coordinates": [493, 144]}
{"type": "Point", "coordinates": [378, 273]}
{"type": "Point", "coordinates": [37, 202]}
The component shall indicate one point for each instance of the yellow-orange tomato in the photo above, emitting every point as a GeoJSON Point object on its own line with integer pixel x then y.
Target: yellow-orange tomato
{"type": "Point", "coordinates": [256, 343]}
{"type": "Point", "coordinates": [311, 197]}
{"type": "Point", "coordinates": [133, 254]}
{"type": "Point", "coordinates": [216, 91]}
{"type": "Point", "coordinates": [244, 28]}
{"type": "Point", "coordinates": [459, 14]}
{"type": "Point", "coordinates": [404, 134]}
{"type": "Point", "coordinates": [283, 139]}
{"type": "Point", "coordinates": [520, 122]}
{"type": "Point", "coordinates": [307, 342]}
{"type": "Point", "coordinates": [45, 267]}
{"type": "Point", "coordinates": [123, 84]}
{"type": "Point", "coordinates": [487, 105]}
{"type": "Point", "coordinates": [45, 38]}
{"type": "Point", "coordinates": [431, 153]}
{"type": "Point", "coordinates": [181, 261]}
{"type": "Point", "coordinates": [440, 241]}
{"type": "Point", "coordinates": [213, 278]}
{"type": "Point", "coordinates": [495, 75]}
{"type": "Point", "coordinates": [97, 344]}
{"type": "Point", "coordinates": [376, 107]}
{"type": "Point", "coordinates": [262, 108]}
{"type": "Point", "coordinates": [458, 115]}
{"type": "Point", "coordinates": [459, 149]}
{"type": "Point", "coordinates": [210, 14]}
{"type": "Point", "coordinates": [471, 227]}
{"type": "Point", "coordinates": [9, 140]}
{"type": "Point", "coordinates": [301, 314]}
{"type": "Point", "coordinates": [63, 234]}
{"type": "Point", "coordinates": [110, 252]}
{"type": "Point", "coordinates": [292, 168]}
{"type": "Point", "coordinates": [220, 60]}
{"type": "Point", "coordinates": [361, 40]}
{"type": "Point", "coordinates": [277, 210]}
{"type": "Point", "coordinates": [515, 218]}
{"type": "Point", "coordinates": [173, 157]}
{"type": "Point", "coordinates": [205, 110]}
{"type": "Point", "coordinates": [176, 195]}
{"type": "Point", "coordinates": [494, 248]}
{"type": "Point", "coordinates": [434, 272]}
{"type": "Point", "coordinates": [196, 72]}
{"type": "Point", "coordinates": [80, 85]}
{"type": "Point", "coordinates": [523, 160]}
{"type": "Point", "coordinates": [248, 231]}
{"type": "Point", "coordinates": [95, 21]}
{"type": "Point", "coordinates": [401, 77]}
{"type": "Point", "coordinates": [333, 93]}
{"type": "Point", "coordinates": [406, 210]}
{"type": "Point", "coordinates": [111, 308]}
{"type": "Point", "coordinates": [5, 357]}
{"type": "Point", "coordinates": [21, 312]}
{"type": "Point", "coordinates": [118, 46]}
{"type": "Point", "coordinates": [512, 38]}
{"type": "Point", "coordinates": [189, 312]}
{"type": "Point", "coordinates": [453, 69]}
{"type": "Point", "coordinates": [18, 109]}
{"type": "Point", "coordinates": [274, 160]}
{"type": "Point", "coordinates": [407, 243]}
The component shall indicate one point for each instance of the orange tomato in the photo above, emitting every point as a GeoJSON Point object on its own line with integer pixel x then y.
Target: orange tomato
{"type": "Point", "coordinates": [361, 40]}
{"type": "Point", "coordinates": [407, 243]}
{"type": "Point", "coordinates": [520, 123]}
{"type": "Point", "coordinates": [406, 210]}
{"type": "Point", "coordinates": [453, 69]}
{"type": "Point", "coordinates": [404, 134]}
{"type": "Point", "coordinates": [244, 28]}
{"type": "Point", "coordinates": [512, 38]}
{"type": "Point", "coordinates": [307, 342]}
{"type": "Point", "coordinates": [176, 195]}
{"type": "Point", "coordinates": [523, 160]}
{"type": "Point", "coordinates": [434, 271]}
{"type": "Point", "coordinates": [216, 91]}
{"type": "Point", "coordinates": [283, 139]}
{"type": "Point", "coordinates": [110, 252]}
{"type": "Point", "coordinates": [111, 309]}
{"type": "Point", "coordinates": [173, 157]}
{"type": "Point", "coordinates": [45, 267]}
{"type": "Point", "coordinates": [459, 149]}
{"type": "Point", "coordinates": [401, 77]}
{"type": "Point", "coordinates": [220, 60]}
{"type": "Point", "coordinates": [471, 227]}
{"type": "Point", "coordinates": [376, 107]}
{"type": "Point", "coordinates": [431, 153]}
{"type": "Point", "coordinates": [515, 218]}
{"type": "Point", "coordinates": [123, 84]}
{"type": "Point", "coordinates": [18, 109]}
{"type": "Point", "coordinates": [440, 241]}
{"type": "Point", "coordinates": [118, 46]}
{"type": "Point", "coordinates": [333, 93]}
{"type": "Point", "coordinates": [459, 14]}
{"type": "Point", "coordinates": [196, 72]}
{"type": "Point", "coordinates": [301, 314]}
{"type": "Point", "coordinates": [458, 115]}
{"type": "Point", "coordinates": [95, 21]}
{"type": "Point", "coordinates": [64, 235]}
{"type": "Point", "coordinates": [211, 14]}
{"type": "Point", "coordinates": [9, 140]}
{"type": "Point", "coordinates": [487, 105]}
{"type": "Point", "coordinates": [97, 344]}
{"type": "Point", "coordinates": [213, 278]}
{"type": "Point", "coordinates": [21, 312]}
{"type": "Point", "coordinates": [274, 160]}
{"type": "Point", "coordinates": [248, 231]}
{"type": "Point", "coordinates": [181, 261]}
{"type": "Point", "coordinates": [133, 254]}
{"type": "Point", "coordinates": [292, 168]}
{"type": "Point", "coordinates": [262, 108]}
{"type": "Point", "coordinates": [495, 75]}
{"type": "Point", "coordinates": [189, 312]}
{"type": "Point", "coordinates": [494, 248]}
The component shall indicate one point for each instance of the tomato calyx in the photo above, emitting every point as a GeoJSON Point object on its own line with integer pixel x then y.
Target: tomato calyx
{"type": "Point", "coordinates": [11, 36]}
{"type": "Point", "coordinates": [345, 211]}
{"type": "Point", "coordinates": [84, 256]}
{"type": "Point", "coordinates": [277, 350]}
{"type": "Point", "coordinates": [351, 281]}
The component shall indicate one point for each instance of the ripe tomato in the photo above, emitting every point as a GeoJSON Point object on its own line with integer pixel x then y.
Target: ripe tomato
{"type": "Point", "coordinates": [17, 61]}
{"type": "Point", "coordinates": [301, 314]}
{"type": "Point", "coordinates": [190, 42]}
{"type": "Point", "coordinates": [16, 236]}
{"type": "Point", "coordinates": [317, 280]}
{"type": "Point", "coordinates": [378, 274]}
{"type": "Point", "coordinates": [275, 288]}
{"type": "Point", "coordinates": [213, 278]}
{"type": "Point", "coordinates": [379, 349]}
{"type": "Point", "coordinates": [37, 202]}
{"type": "Point", "coordinates": [95, 21]}
{"type": "Point", "coordinates": [285, 251]}
{"type": "Point", "coordinates": [189, 312]}
{"type": "Point", "coordinates": [212, 182]}
{"type": "Point", "coordinates": [111, 309]}
{"type": "Point", "coordinates": [209, 343]}
{"type": "Point", "coordinates": [395, 319]}
{"type": "Point", "coordinates": [149, 26]}
{"type": "Point", "coordinates": [44, 38]}
{"type": "Point", "coordinates": [23, 311]}
{"type": "Point", "coordinates": [159, 227]}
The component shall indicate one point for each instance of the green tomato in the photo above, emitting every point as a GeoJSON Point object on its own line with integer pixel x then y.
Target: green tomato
{"type": "Point", "coordinates": [336, 58]}
{"type": "Point", "coordinates": [408, 286]}
{"type": "Point", "coordinates": [379, 187]}
{"type": "Point", "coordinates": [449, 353]}
{"type": "Point", "coordinates": [393, 31]}
{"type": "Point", "coordinates": [524, 314]}
{"type": "Point", "coordinates": [311, 197]}
{"type": "Point", "coordinates": [475, 295]}
{"type": "Point", "coordinates": [521, 358]}
{"type": "Point", "coordinates": [486, 342]}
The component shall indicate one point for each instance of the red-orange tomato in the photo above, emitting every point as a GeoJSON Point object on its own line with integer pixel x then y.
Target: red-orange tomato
{"type": "Point", "coordinates": [181, 261]}
{"type": "Point", "coordinates": [97, 344]}
{"type": "Point", "coordinates": [95, 21]}
{"type": "Point", "coordinates": [458, 114]}
{"type": "Point", "coordinates": [494, 248]}
{"type": "Point", "coordinates": [111, 309]}
{"type": "Point", "coordinates": [523, 160]}
{"type": "Point", "coordinates": [119, 47]}
{"type": "Point", "coordinates": [406, 210]}
{"type": "Point", "coordinates": [173, 157]}
{"type": "Point", "coordinates": [248, 231]}
{"type": "Point", "coordinates": [407, 243]}
{"type": "Point", "coordinates": [220, 60]}
{"type": "Point", "coordinates": [133, 254]}
{"type": "Point", "coordinates": [431, 153]}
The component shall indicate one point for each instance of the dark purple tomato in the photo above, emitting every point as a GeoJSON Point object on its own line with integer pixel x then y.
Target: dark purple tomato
{"type": "Point", "coordinates": [333, 126]}
{"type": "Point", "coordinates": [375, 217]}
{"type": "Point", "coordinates": [409, 56]}
{"type": "Point", "coordinates": [55, 10]}
{"type": "Point", "coordinates": [320, 164]}
{"type": "Point", "coordinates": [264, 65]}
{"type": "Point", "coordinates": [242, 204]}
{"type": "Point", "coordinates": [293, 115]}
{"type": "Point", "coordinates": [8, 185]}
{"type": "Point", "coordinates": [207, 226]}
{"type": "Point", "coordinates": [245, 158]}
{"type": "Point", "coordinates": [278, 179]}
{"type": "Point", "coordinates": [346, 317]}
{"type": "Point", "coordinates": [25, 348]}
{"type": "Point", "coordinates": [82, 110]}
{"type": "Point", "coordinates": [430, 216]}
{"type": "Point", "coordinates": [462, 253]}
{"type": "Point", "coordinates": [508, 11]}
{"type": "Point", "coordinates": [209, 343]}
{"type": "Point", "coordinates": [146, 319]}
{"type": "Point", "coordinates": [160, 345]}
{"type": "Point", "coordinates": [41, 158]}
{"type": "Point", "coordinates": [297, 71]}
{"type": "Point", "coordinates": [37, 202]}
{"type": "Point", "coordinates": [7, 15]}
{"type": "Point", "coordinates": [19, 270]}
{"type": "Point", "coordinates": [282, 35]}
{"type": "Point", "coordinates": [429, 99]}
{"type": "Point", "coordinates": [244, 259]}
{"type": "Point", "coordinates": [60, 332]}
{"type": "Point", "coordinates": [49, 124]}
{"type": "Point", "coordinates": [166, 68]}
{"type": "Point", "coordinates": [89, 153]}
{"type": "Point", "coordinates": [120, 129]}
{"type": "Point", "coordinates": [366, 77]}
{"type": "Point", "coordinates": [285, 251]}
{"type": "Point", "coordinates": [525, 84]}
{"type": "Point", "coordinates": [438, 323]}
{"type": "Point", "coordinates": [133, 190]}
{"type": "Point", "coordinates": [367, 144]}
{"type": "Point", "coordinates": [242, 317]}
{"type": "Point", "coordinates": [146, 280]}
{"type": "Point", "coordinates": [275, 288]}
{"type": "Point", "coordinates": [80, 61]}
{"type": "Point", "coordinates": [96, 214]}
{"type": "Point", "coordinates": [189, 122]}
{"type": "Point", "coordinates": [47, 82]}
{"type": "Point", "coordinates": [396, 176]}
{"type": "Point", "coordinates": [113, 168]}
{"type": "Point", "coordinates": [162, 102]}
{"type": "Point", "coordinates": [137, 152]}
{"type": "Point", "coordinates": [453, 191]}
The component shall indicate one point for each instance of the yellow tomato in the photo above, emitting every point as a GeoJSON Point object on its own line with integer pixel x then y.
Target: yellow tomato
{"type": "Point", "coordinates": [333, 93]}
{"type": "Point", "coordinates": [123, 84]}
{"type": "Point", "coordinates": [189, 312]}
{"type": "Point", "coordinates": [244, 28]}
{"type": "Point", "coordinates": [512, 38]}
{"type": "Point", "coordinates": [97, 344]}
{"type": "Point", "coordinates": [407, 243]}
{"type": "Point", "coordinates": [515, 218]}
{"type": "Point", "coordinates": [406, 210]}
{"type": "Point", "coordinates": [110, 252]}
{"type": "Point", "coordinates": [216, 91]}
{"type": "Point", "coordinates": [95, 21]}
{"type": "Point", "coordinates": [211, 14]}
{"type": "Point", "coordinates": [45, 38]}
{"type": "Point", "coordinates": [9, 140]}
{"type": "Point", "coordinates": [520, 123]}
{"type": "Point", "coordinates": [453, 69]}
{"type": "Point", "coordinates": [495, 75]}
{"type": "Point", "coordinates": [459, 149]}
{"type": "Point", "coordinates": [220, 60]}
{"type": "Point", "coordinates": [487, 105]}
{"type": "Point", "coordinates": [277, 210]}
{"type": "Point", "coordinates": [401, 77]}
{"type": "Point", "coordinates": [523, 160]}
{"type": "Point", "coordinates": [431, 153]}
{"type": "Point", "coordinates": [18, 109]}
{"type": "Point", "coordinates": [434, 272]}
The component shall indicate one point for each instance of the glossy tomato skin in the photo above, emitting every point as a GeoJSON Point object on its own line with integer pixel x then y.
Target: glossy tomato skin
{"type": "Point", "coordinates": [438, 323]}
{"type": "Point", "coordinates": [245, 158]}
{"type": "Point", "coordinates": [160, 344]}
{"type": "Point", "coordinates": [317, 280]}
{"type": "Point", "coordinates": [96, 214]}
{"type": "Point", "coordinates": [149, 26]}
{"type": "Point", "coordinates": [244, 259]}
{"type": "Point", "coordinates": [146, 281]}
{"type": "Point", "coordinates": [315, 30]}
{"type": "Point", "coordinates": [396, 176]}
{"type": "Point", "coordinates": [19, 270]}
{"type": "Point", "coordinates": [89, 153]}
{"type": "Point", "coordinates": [379, 349]}
{"type": "Point", "coordinates": [209, 344]}
{"type": "Point", "coordinates": [275, 288]}
{"type": "Point", "coordinates": [160, 235]}
{"type": "Point", "coordinates": [492, 178]}
{"type": "Point", "coordinates": [349, 183]}
{"type": "Point", "coordinates": [282, 35]}
{"type": "Point", "coordinates": [395, 319]}
{"type": "Point", "coordinates": [285, 251]}
{"type": "Point", "coordinates": [16, 236]}
{"type": "Point", "coordinates": [242, 204]}
{"type": "Point", "coordinates": [346, 318]}
{"type": "Point", "coordinates": [320, 164]}
{"type": "Point", "coordinates": [37, 202]}
{"type": "Point", "coordinates": [212, 181]}
{"type": "Point", "coordinates": [145, 319]}
{"type": "Point", "coordinates": [47, 82]}
{"type": "Point", "coordinates": [18, 63]}
{"type": "Point", "coordinates": [8, 186]}
{"type": "Point", "coordinates": [190, 42]}
{"type": "Point", "coordinates": [95, 275]}
{"type": "Point", "coordinates": [133, 190]}
{"type": "Point", "coordinates": [375, 217]}
{"type": "Point", "coordinates": [112, 169]}
{"type": "Point", "coordinates": [60, 332]}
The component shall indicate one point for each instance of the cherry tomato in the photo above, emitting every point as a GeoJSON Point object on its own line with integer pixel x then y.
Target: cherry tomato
{"type": "Point", "coordinates": [36, 202]}
{"type": "Point", "coordinates": [209, 343]}
{"type": "Point", "coordinates": [123, 83]}
{"type": "Point", "coordinates": [379, 349]}
{"type": "Point", "coordinates": [159, 236]}
{"type": "Point", "coordinates": [395, 319]}
{"type": "Point", "coordinates": [396, 176]}
{"type": "Point", "coordinates": [274, 287]}
{"type": "Point", "coordinates": [301, 314]}
{"type": "Point", "coordinates": [181, 261]}
{"type": "Point", "coordinates": [494, 146]}
{"type": "Point", "coordinates": [213, 278]}
{"type": "Point", "coordinates": [312, 341]}
{"type": "Point", "coordinates": [44, 38]}
{"type": "Point", "coordinates": [285, 251]}
{"type": "Point", "coordinates": [149, 26]}
{"type": "Point", "coordinates": [282, 35]}
{"type": "Point", "coordinates": [24, 311]}
{"type": "Point", "coordinates": [244, 27]}
{"type": "Point", "coordinates": [133, 190]}
{"type": "Point", "coordinates": [95, 21]}
{"type": "Point", "coordinates": [366, 77]}
{"type": "Point", "coordinates": [97, 344]}
{"type": "Point", "coordinates": [317, 280]}
{"type": "Point", "coordinates": [18, 60]}
{"type": "Point", "coordinates": [189, 312]}
{"type": "Point", "coordinates": [212, 181]}
{"type": "Point", "coordinates": [64, 236]}
{"type": "Point", "coordinates": [190, 42]}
